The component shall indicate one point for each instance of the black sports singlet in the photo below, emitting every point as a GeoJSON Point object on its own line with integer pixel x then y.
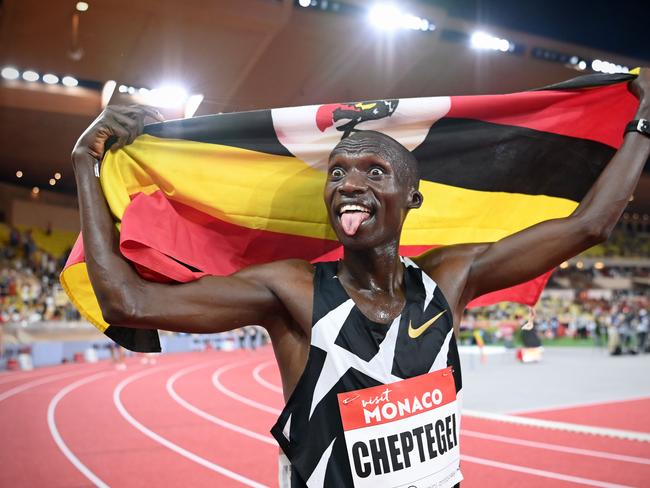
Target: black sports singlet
{"type": "Point", "coordinates": [350, 352]}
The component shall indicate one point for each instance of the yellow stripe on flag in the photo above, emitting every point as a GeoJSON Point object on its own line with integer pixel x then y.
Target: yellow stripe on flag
{"type": "Point", "coordinates": [282, 194]}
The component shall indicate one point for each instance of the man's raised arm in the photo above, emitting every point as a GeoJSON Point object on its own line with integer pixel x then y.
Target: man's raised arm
{"type": "Point", "coordinates": [208, 305]}
{"type": "Point", "coordinates": [522, 256]}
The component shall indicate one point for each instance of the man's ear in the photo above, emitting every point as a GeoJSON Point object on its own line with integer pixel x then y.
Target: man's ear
{"type": "Point", "coordinates": [416, 199]}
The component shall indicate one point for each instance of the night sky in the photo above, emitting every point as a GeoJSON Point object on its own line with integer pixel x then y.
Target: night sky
{"type": "Point", "coordinates": [616, 26]}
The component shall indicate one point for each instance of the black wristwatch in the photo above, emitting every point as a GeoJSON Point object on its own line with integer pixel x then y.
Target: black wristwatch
{"type": "Point", "coordinates": [640, 125]}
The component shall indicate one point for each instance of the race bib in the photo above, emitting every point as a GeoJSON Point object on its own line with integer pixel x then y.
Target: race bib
{"type": "Point", "coordinates": [404, 434]}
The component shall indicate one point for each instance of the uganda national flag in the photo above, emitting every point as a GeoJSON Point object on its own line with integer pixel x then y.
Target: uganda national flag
{"type": "Point", "coordinates": [213, 194]}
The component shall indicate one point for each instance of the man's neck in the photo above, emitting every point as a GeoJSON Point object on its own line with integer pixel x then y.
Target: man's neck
{"type": "Point", "coordinates": [378, 269]}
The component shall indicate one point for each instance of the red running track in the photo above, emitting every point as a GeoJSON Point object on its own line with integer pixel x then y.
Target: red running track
{"type": "Point", "coordinates": [202, 420]}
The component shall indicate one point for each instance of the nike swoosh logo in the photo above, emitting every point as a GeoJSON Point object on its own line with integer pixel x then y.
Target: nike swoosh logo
{"type": "Point", "coordinates": [350, 399]}
{"type": "Point", "coordinates": [415, 333]}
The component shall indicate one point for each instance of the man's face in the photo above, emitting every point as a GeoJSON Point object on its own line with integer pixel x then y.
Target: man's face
{"type": "Point", "coordinates": [367, 201]}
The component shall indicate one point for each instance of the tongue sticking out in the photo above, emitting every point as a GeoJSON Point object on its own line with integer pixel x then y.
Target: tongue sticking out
{"type": "Point", "coordinates": [352, 220]}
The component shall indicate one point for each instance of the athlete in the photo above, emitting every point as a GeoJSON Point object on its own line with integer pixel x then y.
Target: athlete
{"type": "Point", "coordinates": [367, 326]}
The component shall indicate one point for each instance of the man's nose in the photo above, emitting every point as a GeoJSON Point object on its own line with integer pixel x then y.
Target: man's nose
{"type": "Point", "coordinates": [353, 183]}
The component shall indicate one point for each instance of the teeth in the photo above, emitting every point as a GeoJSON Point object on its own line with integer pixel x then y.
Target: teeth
{"type": "Point", "coordinates": [354, 208]}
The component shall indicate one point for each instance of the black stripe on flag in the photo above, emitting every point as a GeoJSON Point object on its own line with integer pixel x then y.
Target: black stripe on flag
{"type": "Point", "coordinates": [589, 81]}
{"type": "Point", "coordinates": [484, 156]}
{"type": "Point", "coordinates": [137, 340]}
{"type": "Point", "coordinates": [246, 130]}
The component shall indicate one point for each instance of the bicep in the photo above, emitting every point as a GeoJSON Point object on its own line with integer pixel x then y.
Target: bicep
{"type": "Point", "coordinates": [527, 254]}
{"type": "Point", "coordinates": [210, 304]}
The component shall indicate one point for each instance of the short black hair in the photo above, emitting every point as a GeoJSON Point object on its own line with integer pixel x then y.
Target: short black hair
{"type": "Point", "coordinates": [406, 166]}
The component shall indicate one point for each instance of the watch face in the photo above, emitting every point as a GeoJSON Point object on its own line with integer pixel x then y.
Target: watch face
{"type": "Point", "coordinates": [644, 126]}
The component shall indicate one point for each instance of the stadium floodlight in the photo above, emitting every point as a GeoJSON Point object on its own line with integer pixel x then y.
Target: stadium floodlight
{"type": "Point", "coordinates": [9, 73]}
{"type": "Point", "coordinates": [483, 40]}
{"type": "Point", "coordinates": [19, 174]}
{"type": "Point", "coordinates": [50, 79]}
{"type": "Point", "coordinates": [69, 81]}
{"type": "Point", "coordinates": [123, 88]}
{"type": "Point", "coordinates": [30, 75]}
{"type": "Point", "coordinates": [388, 17]}
{"type": "Point", "coordinates": [167, 96]}
{"type": "Point", "coordinates": [52, 182]}
{"type": "Point", "coordinates": [82, 6]}
{"type": "Point", "coordinates": [57, 176]}
{"type": "Point", "coordinates": [304, 3]}
{"type": "Point", "coordinates": [607, 67]}
{"type": "Point", "coordinates": [582, 65]}
{"type": "Point", "coordinates": [384, 16]}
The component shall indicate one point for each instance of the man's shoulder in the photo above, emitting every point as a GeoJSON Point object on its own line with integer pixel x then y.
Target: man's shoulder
{"type": "Point", "coordinates": [284, 271]}
{"type": "Point", "coordinates": [450, 255]}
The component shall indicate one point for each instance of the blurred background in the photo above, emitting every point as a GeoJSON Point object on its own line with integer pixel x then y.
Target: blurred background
{"type": "Point", "coordinates": [63, 61]}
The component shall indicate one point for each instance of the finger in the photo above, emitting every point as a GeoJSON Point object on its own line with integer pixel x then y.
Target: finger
{"type": "Point", "coordinates": [121, 134]}
{"type": "Point", "coordinates": [128, 123]}
{"type": "Point", "coordinates": [145, 110]}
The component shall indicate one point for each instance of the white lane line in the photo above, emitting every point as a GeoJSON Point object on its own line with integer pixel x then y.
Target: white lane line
{"type": "Point", "coordinates": [205, 415]}
{"type": "Point", "coordinates": [54, 431]}
{"type": "Point", "coordinates": [26, 375]}
{"type": "Point", "coordinates": [262, 381]}
{"type": "Point", "coordinates": [595, 403]}
{"type": "Point", "coordinates": [540, 472]}
{"type": "Point", "coordinates": [117, 400]}
{"type": "Point", "coordinates": [556, 447]}
{"type": "Point", "coordinates": [563, 426]}
{"type": "Point", "coordinates": [236, 396]}
{"type": "Point", "coordinates": [31, 384]}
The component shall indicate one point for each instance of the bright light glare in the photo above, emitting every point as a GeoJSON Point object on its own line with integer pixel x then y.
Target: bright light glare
{"type": "Point", "coordinates": [57, 176]}
{"type": "Point", "coordinates": [19, 174]}
{"type": "Point", "coordinates": [69, 81]}
{"type": "Point", "coordinates": [82, 6]}
{"type": "Point", "coordinates": [52, 182]}
{"type": "Point", "coordinates": [50, 79]}
{"type": "Point", "coordinates": [582, 65]}
{"type": "Point", "coordinates": [10, 73]}
{"type": "Point", "coordinates": [123, 88]}
{"type": "Point", "coordinates": [192, 105]}
{"type": "Point", "coordinates": [304, 3]}
{"type": "Point", "coordinates": [167, 96]}
{"type": "Point", "coordinates": [607, 67]}
{"type": "Point", "coordinates": [30, 76]}
{"type": "Point", "coordinates": [482, 40]}
{"type": "Point", "coordinates": [386, 16]}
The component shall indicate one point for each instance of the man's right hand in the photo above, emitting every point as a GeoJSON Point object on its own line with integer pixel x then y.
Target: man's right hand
{"type": "Point", "coordinates": [125, 123]}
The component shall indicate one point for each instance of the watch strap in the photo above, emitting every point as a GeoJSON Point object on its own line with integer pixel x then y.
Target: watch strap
{"type": "Point", "coordinates": [639, 125]}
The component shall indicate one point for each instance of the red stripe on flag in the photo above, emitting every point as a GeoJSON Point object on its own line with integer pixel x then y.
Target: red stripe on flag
{"type": "Point", "coordinates": [154, 229]}
{"type": "Point", "coordinates": [585, 113]}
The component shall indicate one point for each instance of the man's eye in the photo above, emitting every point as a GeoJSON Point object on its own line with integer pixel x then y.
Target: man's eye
{"type": "Point", "coordinates": [376, 171]}
{"type": "Point", "coordinates": [337, 173]}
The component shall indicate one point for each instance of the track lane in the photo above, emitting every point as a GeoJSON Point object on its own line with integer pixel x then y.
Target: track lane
{"type": "Point", "coordinates": [262, 381]}
{"type": "Point", "coordinates": [112, 448]}
{"type": "Point", "coordinates": [54, 431]}
{"type": "Point", "coordinates": [29, 454]}
{"type": "Point", "coordinates": [631, 415]}
{"type": "Point", "coordinates": [195, 387]}
{"type": "Point", "coordinates": [204, 414]}
{"type": "Point", "coordinates": [166, 422]}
